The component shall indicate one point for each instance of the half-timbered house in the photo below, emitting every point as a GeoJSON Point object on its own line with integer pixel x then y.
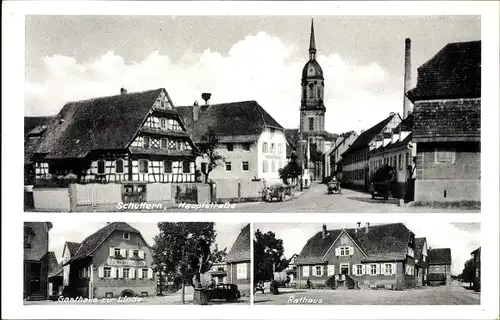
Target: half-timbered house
{"type": "Point", "coordinates": [369, 256]}
{"type": "Point", "coordinates": [114, 261]}
{"type": "Point", "coordinates": [127, 137]}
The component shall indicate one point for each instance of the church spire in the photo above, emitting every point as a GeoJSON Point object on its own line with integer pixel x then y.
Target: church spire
{"type": "Point", "coordinates": [312, 43]}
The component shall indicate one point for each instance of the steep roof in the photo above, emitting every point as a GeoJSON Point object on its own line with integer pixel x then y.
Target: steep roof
{"type": "Point", "coordinates": [31, 123]}
{"type": "Point", "coordinates": [240, 251]}
{"type": "Point", "coordinates": [453, 72]}
{"type": "Point", "coordinates": [232, 122]}
{"type": "Point", "coordinates": [105, 123]}
{"type": "Point", "coordinates": [364, 139]}
{"type": "Point", "coordinates": [447, 120]}
{"type": "Point", "coordinates": [419, 246]}
{"type": "Point", "coordinates": [382, 242]}
{"type": "Point", "coordinates": [92, 242]}
{"type": "Point", "coordinates": [439, 256]}
{"type": "Point", "coordinates": [53, 265]}
{"type": "Point", "coordinates": [72, 247]}
{"type": "Point", "coordinates": [34, 127]}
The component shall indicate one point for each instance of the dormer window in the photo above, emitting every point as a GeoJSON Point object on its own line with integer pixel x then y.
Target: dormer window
{"type": "Point", "coordinates": [126, 236]}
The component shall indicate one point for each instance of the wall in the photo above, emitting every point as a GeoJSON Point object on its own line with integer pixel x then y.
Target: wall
{"type": "Point", "coordinates": [441, 269]}
{"type": "Point", "coordinates": [243, 284]}
{"type": "Point", "coordinates": [277, 137]}
{"type": "Point", "coordinates": [227, 190]}
{"type": "Point", "coordinates": [39, 241]}
{"type": "Point", "coordinates": [51, 199]}
{"type": "Point", "coordinates": [95, 194]}
{"type": "Point", "coordinates": [100, 258]}
{"type": "Point", "coordinates": [159, 192]}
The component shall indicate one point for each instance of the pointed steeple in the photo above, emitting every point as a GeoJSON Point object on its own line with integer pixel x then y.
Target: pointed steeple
{"type": "Point", "coordinates": [312, 42]}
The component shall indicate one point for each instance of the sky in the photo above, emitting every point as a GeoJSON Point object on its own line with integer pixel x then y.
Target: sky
{"type": "Point", "coordinates": [236, 58]}
{"type": "Point", "coordinates": [63, 231]}
{"type": "Point", "coordinates": [461, 238]}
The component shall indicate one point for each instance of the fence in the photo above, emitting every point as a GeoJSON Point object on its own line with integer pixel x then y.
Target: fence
{"type": "Point", "coordinates": [238, 190]}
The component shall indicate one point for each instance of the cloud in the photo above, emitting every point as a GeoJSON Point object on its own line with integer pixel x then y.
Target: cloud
{"type": "Point", "coordinates": [259, 67]}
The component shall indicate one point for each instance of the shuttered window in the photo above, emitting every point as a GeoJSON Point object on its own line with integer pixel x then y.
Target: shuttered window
{"type": "Point", "coordinates": [107, 272]}
{"type": "Point", "coordinates": [167, 166]}
{"type": "Point", "coordinates": [305, 271]}
{"type": "Point", "coordinates": [143, 166]}
{"type": "Point", "coordinates": [101, 164]}
{"type": "Point", "coordinates": [241, 271]}
{"type": "Point", "coordinates": [119, 166]}
{"type": "Point", "coordinates": [186, 168]}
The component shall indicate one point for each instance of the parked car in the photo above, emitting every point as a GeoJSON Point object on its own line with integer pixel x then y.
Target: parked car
{"type": "Point", "coordinates": [380, 189]}
{"type": "Point", "coordinates": [229, 292]}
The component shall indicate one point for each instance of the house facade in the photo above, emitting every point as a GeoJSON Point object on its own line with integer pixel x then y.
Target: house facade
{"type": "Point", "coordinates": [251, 142]}
{"type": "Point", "coordinates": [421, 261]}
{"type": "Point", "coordinates": [355, 160]}
{"type": "Point", "coordinates": [238, 262]}
{"type": "Point", "coordinates": [130, 137]}
{"type": "Point", "coordinates": [476, 256]}
{"type": "Point", "coordinates": [333, 157]}
{"type": "Point", "coordinates": [36, 260]}
{"type": "Point", "coordinates": [369, 256]}
{"type": "Point", "coordinates": [218, 272]}
{"type": "Point", "coordinates": [447, 126]}
{"type": "Point", "coordinates": [440, 265]}
{"type": "Point", "coordinates": [112, 262]}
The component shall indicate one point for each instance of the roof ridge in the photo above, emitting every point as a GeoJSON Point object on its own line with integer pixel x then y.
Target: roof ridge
{"type": "Point", "coordinates": [104, 238]}
{"type": "Point", "coordinates": [260, 112]}
{"type": "Point", "coordinates": [115, 95]}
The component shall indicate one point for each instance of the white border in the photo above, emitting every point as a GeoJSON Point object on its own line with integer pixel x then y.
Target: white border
{"type": "Point", "coordinates": [12, 100]}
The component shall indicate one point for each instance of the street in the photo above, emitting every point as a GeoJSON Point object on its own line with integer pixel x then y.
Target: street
{"type": "Point", "coordinates": [315, 199]}
{"type": "Point", "coordinates": [455, 294]}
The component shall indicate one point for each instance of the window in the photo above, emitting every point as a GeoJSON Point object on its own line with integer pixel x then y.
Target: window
{"type": "Point", "coordinates": [264, 147]}
{"type": "Point", "coordinates": [445, 156]}
{"type": "Point", "coordinates": [331, 269]}
{"type": "Point", "coordinates": [388, 268]}
{"type": "Point", "coordinates": [144, 273]}
{"type": "Point", "coordinates": [318, 271]}
{"type": "Point", "coordinates": [143, 166]}
{"type": "Point", "coordinates": [359, 269]}
{"type": "Point", "coordinates": [163, 123]}
{"type": "Point", "coordinates": [135, 253]}
{"type": "Point", "coordinates": [145, 141]}
{"type": "Point", "coordinates": [246, 146]}
{"type": "Point", "coordinates": [126, 272]}
{"type": "Point", "coordinates": [230, 147]}
{"type": "Point", "coordinates": [280, 148]}
{"type": "Point", "coordinates": [344, 251]}
{"type": "Point", "coordinates": [228, 166]}
{"type": "Point", "coordinates": [305, 271]}
{"type": "Point", "coordinates": [273, 148]}
{"type": "Point", "coordinates": [107, 272]}
{"type": "Point", "coordinates": [400, 161]}
{"type": "Point", "coordinates": [100, 166]}
{"type": "Point", "coordinates": [186, 167]}
{"type": "Point", "coordinates": [126, 236]}
{"type": "Point", "coordinates": [241, 271]}
{"type": "Point", "coordinates": [265, 166]}
{"type": "Point", "coordinates": [344, 268]}
{"type": "Point", "coordinates": [119, 166]}
{"type": "Point", "coordinates": [273, 166]}
{"type": "Point", "coordinates": [244, 166]}
{"type": "Point", "coordinates": [117, 252]}
{"type": "Point", "coordinates": [311, 124]}
{"type": "Point", "coordinates": [373, 269]}
{"type": "Point", "coordinates": [167, 166]}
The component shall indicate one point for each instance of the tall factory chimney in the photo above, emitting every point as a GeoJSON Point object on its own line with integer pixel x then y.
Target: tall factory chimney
{"type": "Point", "coordinates": [407, 105]}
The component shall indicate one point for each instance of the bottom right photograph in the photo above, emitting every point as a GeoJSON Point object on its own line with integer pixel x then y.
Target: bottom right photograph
{"type": "Point", "coordinates": [407, 263]}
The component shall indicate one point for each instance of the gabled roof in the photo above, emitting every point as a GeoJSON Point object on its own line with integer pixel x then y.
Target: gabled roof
{"type": "Point", "coordinates": [240, 251]}
{"type": "Point", "coordinates": [419, 247]}
{"type": "Point", "coordinates": [364, 139]}
{"type": "Point", "coordinates": [393, 146]}
{"type": "Point", "coordinates": [105, 123]}
{"type": "Point", "coordinates": [341, 138]}
{"type": "Point", "coordinates": [447, 120]}
{"type": "Point", "coordinates": [54, 267]}
{"type": "Point", "coordinates": [34, 127]}
{"type": "Point", "coordinates": [453, 72]}
{"type": "Point", "coordinates": [243, 121]}
{"type": "Point", "coordinates": [72, 247]}
{"type": "Point", "coordinates": [92, 242]}
{"type": "Point", "coordinates": [439, 256]}
{"type": "Point", "coordinates": [382, 242]}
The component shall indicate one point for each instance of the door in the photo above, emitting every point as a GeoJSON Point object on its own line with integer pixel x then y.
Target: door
{"type": "Point", "coordinates": [35, 277]}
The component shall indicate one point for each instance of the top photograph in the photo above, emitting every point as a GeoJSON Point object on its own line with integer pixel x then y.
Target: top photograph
{"type": "Point", "coordinates": [333, 114]}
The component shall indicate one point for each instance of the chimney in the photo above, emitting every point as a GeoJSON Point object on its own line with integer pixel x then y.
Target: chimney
{"type": "Point", "coordinates": [206, 96]}
{"type": "Point", "coordinates": [323, 231]}
{"type": "Point", "coordinates": [367, 227]}
{"type": "Point", "coordinates": [123, 91]}
{"type": "Point", "coordinates": [196, 111]}
{"type": "Point", "coordinates": [407, 106]}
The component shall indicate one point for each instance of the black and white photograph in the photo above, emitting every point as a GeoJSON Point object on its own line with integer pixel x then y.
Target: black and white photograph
{"type": "Point", "coordinates": [192, 263]}
{"type": "Point", "coordinates": [367, 264]}
{"type": "Point", "coordinates": [252, 113]}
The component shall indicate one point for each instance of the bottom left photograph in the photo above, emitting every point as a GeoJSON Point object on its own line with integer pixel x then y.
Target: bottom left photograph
{"type": "Point", "coordinates": [200, 263]}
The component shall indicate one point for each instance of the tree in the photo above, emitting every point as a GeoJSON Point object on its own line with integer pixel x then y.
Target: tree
{"type": "Point", "coordinates": [207, 147]}
{"type": "Point", "coordinates": [184, 249]}
{"type": "Point", "coordinates": [268, 256]}
{"type": "Point", "coordinates": [469, 272]}
{"type": "Point", "coordinates": [292, 170]}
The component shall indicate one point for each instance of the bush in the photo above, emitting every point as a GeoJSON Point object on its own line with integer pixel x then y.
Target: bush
{"type": "Point", "coordinates": [331, 283]}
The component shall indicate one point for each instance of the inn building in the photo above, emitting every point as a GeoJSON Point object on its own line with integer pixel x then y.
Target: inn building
{"type": "Point", "coordinates": [114, 261]}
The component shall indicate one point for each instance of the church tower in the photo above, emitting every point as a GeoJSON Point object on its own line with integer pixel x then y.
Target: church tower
{"type": "Point", "coordinates": [312, 109]}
